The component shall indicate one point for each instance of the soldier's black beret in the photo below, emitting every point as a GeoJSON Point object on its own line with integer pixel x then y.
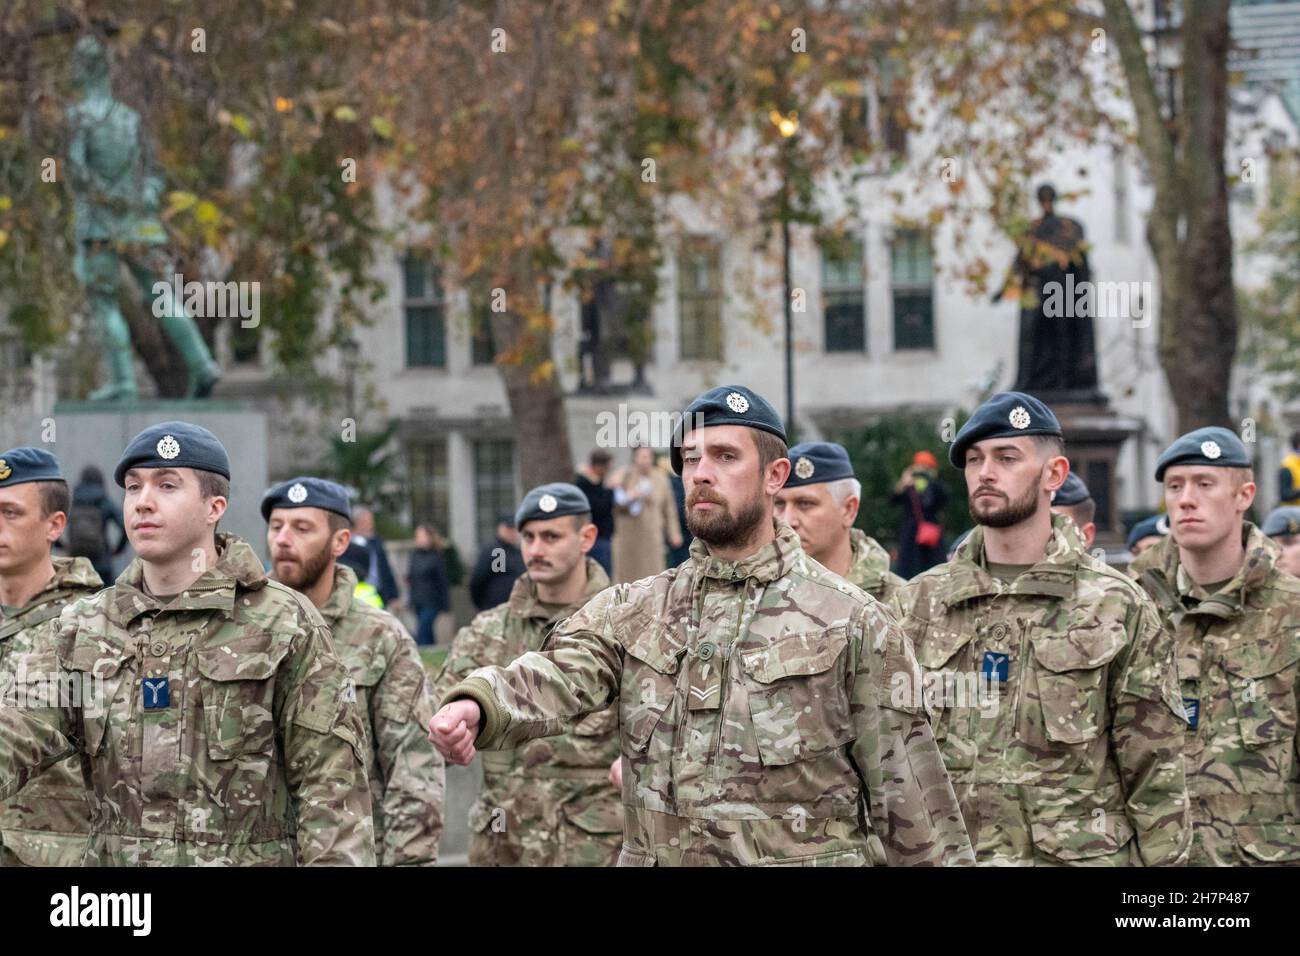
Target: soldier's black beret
{"type": "Point", "coordinates": [174, 445]}
{"type": "Point", "coordinates": [813, 462]}
{"type": "Point", "coordinates": [551, 501]}
{"type": "Point", "coordinates": [1157, 526]}
{"type": "Point", "coordinates": [1204, 446]}
{"type": "Point", "coordinates": [1005, 414]}
{"type": "Point", "coordinates": [306, 492]}
{"type": "Point", "coordinates": [1072, 492]}
{"type": "Point", "coordinates": [725, 405]}
{"type": "Point", "coordinates": [21, 465]}
{"type": "Point", "coordinates": [1282, 521]}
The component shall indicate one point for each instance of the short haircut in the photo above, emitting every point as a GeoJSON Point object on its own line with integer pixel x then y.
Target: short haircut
{"type": "Point", "coordinates": [599, 456]}
{"type": "Point", "coordinates": [1082, 513]}
{"type": "Point", "coordinates": [842, 489]}
{"type": "Point", "coordinates": [54, 496]}
{"type": "Point", "coordinates": [337, 522]}
{"type": "Point", "coordinates": [1241, 475]}
{"type": "Point", "coordinates": [1049, 446]}
{"type": "Point", "coordinates": [212, 485]}
{"type": "Point", "coordinates": [770, 448]}
{"type": "Point", "coordinates": [581, 520]}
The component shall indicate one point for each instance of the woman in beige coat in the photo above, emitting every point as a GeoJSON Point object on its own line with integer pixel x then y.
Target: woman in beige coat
{"type": "Point", "coordinates": [645, 516]}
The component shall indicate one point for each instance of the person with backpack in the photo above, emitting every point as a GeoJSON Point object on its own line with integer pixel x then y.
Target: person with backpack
{"type": "Point", "coordinates": [92, 512]}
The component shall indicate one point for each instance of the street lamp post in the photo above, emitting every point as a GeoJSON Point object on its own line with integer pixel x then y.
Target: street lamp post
{"type": "Point", "coordinates": [788, 127]}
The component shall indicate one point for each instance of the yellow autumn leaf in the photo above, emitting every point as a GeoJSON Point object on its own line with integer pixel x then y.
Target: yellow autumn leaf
{"type": "Point", "coordinates": [207, 213]}
{"type": "Point", "coordinates": [179, 201]}
{"type": "Point", "coordinates": [345, 114]}
{"type": "Point", "coordinates": [5, 203]}
{"type": "Point", "coordinates": [4, 238]}
{"type": "Point", "coordinates": [242, 123]}
{"type": "Point", "coordinates": [543, 372]}
{"type": "Point", "coordinates": [382, 126]}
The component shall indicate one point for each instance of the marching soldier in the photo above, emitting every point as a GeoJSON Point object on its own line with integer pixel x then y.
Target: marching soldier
{"type": "Point", "coordinates": [45, 825]}
{"type": "Point", "coordinates": [820, 502]}
{"type": "Point", "coordinates": [544, 802]}
{"type": "Point", "coordinates": [1074, 499]}
{"type": "Point", "coordinates": [1050, 677]}
{"type": "Point", "coordinates": [1236, 619]}
{"type": "Point", "coordinates": [307, 529]}
{"type": "Point", "coordinates": [753, 688]}
{"type": "Point", "coordinates": [218, 726]}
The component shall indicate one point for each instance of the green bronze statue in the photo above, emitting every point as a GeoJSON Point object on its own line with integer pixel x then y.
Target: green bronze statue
{"type": "Point", "coordinates": [116, 202]}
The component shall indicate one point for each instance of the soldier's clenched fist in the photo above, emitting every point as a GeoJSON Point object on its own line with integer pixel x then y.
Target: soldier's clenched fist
{"type": "Point", "coordinates": [454, 729]}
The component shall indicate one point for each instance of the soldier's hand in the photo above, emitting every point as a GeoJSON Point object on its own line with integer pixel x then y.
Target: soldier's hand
{"type": "Point", "coordinates": [616, 772]}
{"type": "Point", "coordinates": [454, 729]}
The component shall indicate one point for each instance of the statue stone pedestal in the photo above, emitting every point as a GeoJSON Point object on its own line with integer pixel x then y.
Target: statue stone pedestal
{"type": "Point", "coordinates": [95, 433]}
{"type": "Point", "coordinates": [1094, 433]}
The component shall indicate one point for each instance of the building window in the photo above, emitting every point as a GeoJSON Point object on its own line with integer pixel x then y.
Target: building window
{"type": "Point", "coordinates": [482, 348]}
{"type": "Point", "coordinates": [699, 298]}
{"type": "Point", "coordinates": [430, 490]}
{"type": "Point", "coordinates": [843, 298]}
{"type": "Point", "coordinates": [424, 311]}
{"type": "Point", "coordinates": [494, 484]}
{"type": "Point", "coordinates": [912, 279]}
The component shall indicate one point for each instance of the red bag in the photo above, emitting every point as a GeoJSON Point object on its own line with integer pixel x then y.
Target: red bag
{"type": "Point", "coordinates": [928, 534]}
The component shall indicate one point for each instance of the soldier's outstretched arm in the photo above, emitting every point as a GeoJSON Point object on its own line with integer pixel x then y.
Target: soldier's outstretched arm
{"type": "Point", "coordinates": [542, 693]}
{"type": "Point", "coordinates": [414, 773]}
{"type": "Point", "coordinates": [470, 649]}
{"type": "Point", "coordinates": [38, 724]}
{"type": "Point", "coordinates": [324, 750]}
{"type": "Point", "coordinates": [910, 798]}
{"type": "Point", "coordinates": [1147, 732]}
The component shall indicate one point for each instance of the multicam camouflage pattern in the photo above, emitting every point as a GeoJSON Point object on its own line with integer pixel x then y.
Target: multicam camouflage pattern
{"type": "Point", "coordinates": [1069, 752]}
{"type": "Point", "coordinates": [1239, 668]}
{"type": "Point", "coordinates": [757, 726]}
{"type": "Point", "coordinates": [869, 567]}
{"type": "Point", "coordinates": [46, 824]}
{"type": "Point", "coordinates": [545, 802]}
{"type": "Point", "coordinates": [407, 774]}
{"type": "Point", "coordinates": [258, 760]}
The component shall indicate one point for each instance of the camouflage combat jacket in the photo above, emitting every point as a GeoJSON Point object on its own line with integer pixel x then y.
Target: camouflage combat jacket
{"type": "Point", "coordinates": [755, 716]}
{"type": "Point", "coordinates": [548, 801]}
{"type": "Point", "coordinates": [46, 824]}
{"type": "Point", "coordinates": [1054, 702]}
{"type": "Point", "coordinates": [407, 774]}
{"type": "Point", "coordinates": [869, 567]}
{"type": "Point", "coordinates": [1239, 670]}
{"type": "Point", "coordinates": [217, 728]}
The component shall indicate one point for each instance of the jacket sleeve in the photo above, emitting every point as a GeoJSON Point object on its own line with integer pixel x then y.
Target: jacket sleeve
{"type": "Point", "coordinates": [412, 771]}
{"type": "Point", "coordinates": [325, 760]}
{"type": "Point", "coordinates": [1147, 733]}
{"type": "Point", "coordinates": [35, 731]}
{"type": "Point", "coordinates": [910, 800]}
{"type": "Point", "coordinates": [544, 693]}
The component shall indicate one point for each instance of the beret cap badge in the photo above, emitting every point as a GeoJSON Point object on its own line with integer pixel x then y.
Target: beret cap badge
{"type": "Point", "coordinates": [1211, 449]}
{"type": "Point", "coordinates": [1019, 417]}
{"type": "Point", "coordinates": [168, 447]}
{"type": "Point", "coordinates": [5, 470]}
{"type": "Point", "coordinates": [804, 468]}
{"type": "Point", "coordinates": [297, 494]}
{"type": "Point", "coordinates": [548, 503]}
{"type": "Point", "coordinates": [738, 403]}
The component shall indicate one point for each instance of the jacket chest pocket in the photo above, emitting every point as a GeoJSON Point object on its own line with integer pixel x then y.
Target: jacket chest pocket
{"type": "Point", "coordinates": [104, 680]}
{"type": "Point", "coordinates": [238, 694]}
{"type": "Point", "coordinates": [798, 695]}
{"type": "Point", "coordinates": [1261, 678]}
{"type": "Point", "coordinates": [1071, 681]}
{"type": "Point", "coordinates": [649, 684]}
{"type": "Point", "coordinates": [947, 671]}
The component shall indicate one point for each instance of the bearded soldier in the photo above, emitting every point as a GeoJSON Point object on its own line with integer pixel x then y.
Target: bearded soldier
{"type": "Point", "coordinates": [753, 687]}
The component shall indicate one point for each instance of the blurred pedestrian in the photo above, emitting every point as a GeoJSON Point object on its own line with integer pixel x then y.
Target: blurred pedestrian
{"type": "Point", "coordinates": [683, 551]}
{"type": "Point", "coordinates": [379, 569]}
{"type": "Point", "coordinates": [1283, 526]}
{"type": "Point", "coordinates": [499, 565]}
{"type": "Point", "coordinates": [426, 580]}
{"type": "Point", "coordinates": [591, 481]}
{"type": "Point", "coordinates": [920, 529]}
{"type": "Point", "coordinates": [86, 535]}
{"type": "Point", "coordinates": [644, 518]}
{"type": "Point", "coordinates": [1289, 476]}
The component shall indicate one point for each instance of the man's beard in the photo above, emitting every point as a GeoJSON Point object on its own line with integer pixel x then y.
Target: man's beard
{"type": "Point", "coordinates": [720, 528]}
{"type": "Point", "coordinates": [307, 573]}
{"type": "Point", "coordinates": [1012, 513]}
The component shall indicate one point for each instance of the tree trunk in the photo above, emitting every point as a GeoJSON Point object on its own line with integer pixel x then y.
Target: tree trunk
{"type": "Point", "coordinates": [1188, 229]}
{"type": "Point", "coordinates": [541, 428]}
